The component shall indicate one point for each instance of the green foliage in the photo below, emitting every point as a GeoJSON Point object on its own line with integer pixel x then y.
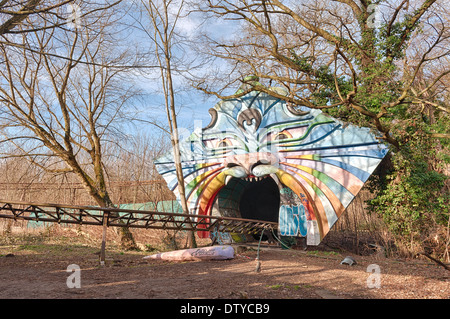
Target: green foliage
{"type": "Point", "coordinates": [304, 64]}
{"type": "Point", "coordinates": [413, 199]}
{"type": "Point", "coordinates": [327, 93]}
{"type": "Point", "coordinates": [413, 190]}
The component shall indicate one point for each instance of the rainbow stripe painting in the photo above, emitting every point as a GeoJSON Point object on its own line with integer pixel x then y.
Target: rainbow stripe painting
{"type": "Point", "coordinates": [261, 158]}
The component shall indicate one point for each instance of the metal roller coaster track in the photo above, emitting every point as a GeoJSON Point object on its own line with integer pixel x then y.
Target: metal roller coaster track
{"type": "Point", "coordinates": [116, 217]}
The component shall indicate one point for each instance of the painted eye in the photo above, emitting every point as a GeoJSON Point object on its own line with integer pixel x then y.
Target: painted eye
{"type": "Point", "coordinates": [282, 136]}
{"type": "Point", "coordinates": [224, 143]}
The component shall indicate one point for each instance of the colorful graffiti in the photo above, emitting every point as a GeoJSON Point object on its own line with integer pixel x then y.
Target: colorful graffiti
{"type": "Point", "coordinates": [262, 158]}
{"type": "Point", "coordinates": [292, 220]}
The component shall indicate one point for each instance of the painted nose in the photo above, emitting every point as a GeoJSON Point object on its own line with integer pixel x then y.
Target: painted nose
{"type": "Point", "coordinates": [236, 171]}
{"type": "Point", "coordinates": [263, 170]}
{"type": "Point", "coordinates": [249, 161]}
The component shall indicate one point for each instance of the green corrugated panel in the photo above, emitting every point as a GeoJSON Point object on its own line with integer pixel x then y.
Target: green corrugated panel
{"type": "Point", "coordinates": [169, 206]}
{"type": "Point", "coordinates": [138, 206]}
{"type": "Point", "coordinates": [163, 206]}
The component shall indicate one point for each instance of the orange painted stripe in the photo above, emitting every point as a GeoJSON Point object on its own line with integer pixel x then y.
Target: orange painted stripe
{"type": "Point", "coordinates": [312, 180]}
{"type": "Point", "coordinates": [340, 175]}
{"type": "Point", "coordinates": [207, 197]}
{"type": "Point", "coordinates": [300, 186]}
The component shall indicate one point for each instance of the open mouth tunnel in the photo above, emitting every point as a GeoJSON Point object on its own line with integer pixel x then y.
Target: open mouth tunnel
{"type": "Point", "coordinates": [250, 199]}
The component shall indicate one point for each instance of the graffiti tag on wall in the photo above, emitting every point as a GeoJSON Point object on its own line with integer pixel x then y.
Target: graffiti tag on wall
{"type": "Point", "coordinates": [292, 221]}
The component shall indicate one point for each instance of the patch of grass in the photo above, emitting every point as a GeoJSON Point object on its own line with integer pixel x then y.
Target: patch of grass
{"type": "Point", "coordinates": [294, 287]}
{"type": "Point", "coordinates": [274, 286]}
{"type": "Point", "coordinates": [57, 249]}
{"type": "Point", "coordinates": [322, 253]}
{"type": "Point", "coordinates": [150, 248]}
{"type": "Point", "coordinates": [31, 247]}
{"type": "Point", "coordinates": [26, 238]}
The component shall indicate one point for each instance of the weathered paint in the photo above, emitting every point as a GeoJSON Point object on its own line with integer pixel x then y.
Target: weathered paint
{"type": "Point", "coordinates": [322, 161]}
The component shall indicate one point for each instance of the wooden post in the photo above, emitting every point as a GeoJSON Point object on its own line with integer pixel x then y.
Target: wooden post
{"type": "Point", "coordinates": [103, 248]}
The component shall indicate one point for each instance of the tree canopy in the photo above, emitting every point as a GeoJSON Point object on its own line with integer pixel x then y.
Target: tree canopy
{"type": "Point", "coordinates": [379, 64]}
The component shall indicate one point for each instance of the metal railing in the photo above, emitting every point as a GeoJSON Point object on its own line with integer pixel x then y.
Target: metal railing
{"type": "Point", "coordinates": [117, 217]}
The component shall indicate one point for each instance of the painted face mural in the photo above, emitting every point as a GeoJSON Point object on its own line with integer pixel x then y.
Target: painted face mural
{"type": "Point", "coordinates": [262, 159]}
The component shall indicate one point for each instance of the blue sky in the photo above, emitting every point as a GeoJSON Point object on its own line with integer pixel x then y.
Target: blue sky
{"type": "Point", "coordinates": [192, 105]}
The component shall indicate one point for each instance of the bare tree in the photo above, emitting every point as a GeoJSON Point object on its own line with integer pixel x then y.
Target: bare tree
{"type": "Point", "coordinates": [30, 13]}
{"type": "Point", "coordinates": [59, 114]}
{"type": "Point", "coordinates": [344, 55]}
{"type": "Point", "coordinates": [164, 16]}
{"type": "Point", "coordinates": [15, 12]}
{"type": "Point", "coordinates": [132, 176]}
{"type": "Point", "coordinates": [378, 64]}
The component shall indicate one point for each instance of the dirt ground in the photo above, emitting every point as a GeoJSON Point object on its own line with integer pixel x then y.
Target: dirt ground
{"type": "Point", "coordinates": [40, 271]}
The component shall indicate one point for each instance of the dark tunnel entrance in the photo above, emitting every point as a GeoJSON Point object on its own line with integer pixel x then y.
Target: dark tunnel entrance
{"type": "Point", "coordinates": [259, 200]}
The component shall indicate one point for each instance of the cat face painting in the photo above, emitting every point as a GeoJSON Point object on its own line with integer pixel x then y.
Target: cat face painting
{"type": "Point", "coordinates": [260, 158]}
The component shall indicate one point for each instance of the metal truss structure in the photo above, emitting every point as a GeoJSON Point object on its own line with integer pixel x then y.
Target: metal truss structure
{"type": "Point", "coordinates": [116, 217]}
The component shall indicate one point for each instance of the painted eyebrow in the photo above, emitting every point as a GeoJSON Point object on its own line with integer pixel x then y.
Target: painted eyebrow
{"type": "Point", "coordinates": [223, 135]}
{"type": "Point", "coordinates": [292, 142]}
{"type": "Point", "coordinates": [283, 125]}
{"type": "Point", "coordinates": [279, 127]}
{"type": "Point", "coordinates": [296, 139]}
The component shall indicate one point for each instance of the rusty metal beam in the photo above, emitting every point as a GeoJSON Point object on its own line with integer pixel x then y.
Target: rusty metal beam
{"type": "Point", "coordinates": [116, 217]}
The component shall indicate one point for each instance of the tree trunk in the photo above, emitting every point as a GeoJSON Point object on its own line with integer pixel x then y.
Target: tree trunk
{"type": "Point", "coordinates": [176, 149]}
{"type": "Point", "coordinates": [103, 200]}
